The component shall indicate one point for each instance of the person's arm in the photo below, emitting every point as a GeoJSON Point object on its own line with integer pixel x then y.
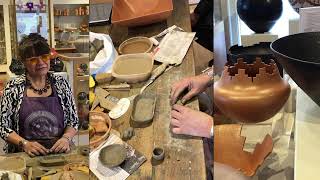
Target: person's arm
{"type": "Point", "coordinates": [191, 122]}
{"type": "Point", "coordinates": [194, 85]}
{"type": "Point", "coordinates": [203, 8]}
{"type": "Point", "coordinates": [32, 148]}
{"type": "Point", "coordinates": [72, 121]}
{"type": "Point", "coordinates": [71, 115]}
{"type": "Point", "coordinates": [6, 118]}
{"type": "Point", "coordinates": [63, 144]}
{"type": "Point", "coordinates": [6, 115]}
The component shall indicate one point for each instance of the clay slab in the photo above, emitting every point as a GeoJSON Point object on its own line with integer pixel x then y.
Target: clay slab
{"type": "Point", "coordinates": [143, 109]}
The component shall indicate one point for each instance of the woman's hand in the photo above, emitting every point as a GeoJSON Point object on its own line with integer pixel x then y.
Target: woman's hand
{"type": "Point", "coordinates": [194, 85]}
{"type": "Point", "coordinates": [33, 148]}
{"type": "Point", "coordinates": [190, 122]}
{"type": "Point", "coordinates": [62, 145]}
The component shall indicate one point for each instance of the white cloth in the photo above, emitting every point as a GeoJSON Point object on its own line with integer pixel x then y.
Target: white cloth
{"type": "Point", "coordinates": [105, 57]}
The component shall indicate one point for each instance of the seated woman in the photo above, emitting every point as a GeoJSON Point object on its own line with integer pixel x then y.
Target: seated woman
{"type": "Point", "coordinates": [38, 113]}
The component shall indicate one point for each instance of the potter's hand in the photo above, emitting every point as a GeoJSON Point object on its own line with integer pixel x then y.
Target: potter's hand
{"type": "Point", "coordinates": [33, 148]}
{"type": "Point", "coordinates": [194, 19]}
{"type": "Point", "coordinates": [62, 145]}
{"type": "Point", "coordinates": [194, 85]}
{"type": "Point", "coordinates": [188, 121]}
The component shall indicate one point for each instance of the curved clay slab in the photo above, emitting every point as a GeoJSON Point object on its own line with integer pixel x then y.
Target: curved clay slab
{"type": "Point", "coordinates": [228, 149]}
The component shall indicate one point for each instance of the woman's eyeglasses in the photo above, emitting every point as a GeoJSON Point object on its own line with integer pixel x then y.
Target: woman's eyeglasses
{"type": "Point", "coordinates": [34, 60]}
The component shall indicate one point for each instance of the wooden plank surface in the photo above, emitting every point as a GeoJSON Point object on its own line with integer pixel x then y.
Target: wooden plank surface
{"type": "Point", "coordinates": [184, 157]}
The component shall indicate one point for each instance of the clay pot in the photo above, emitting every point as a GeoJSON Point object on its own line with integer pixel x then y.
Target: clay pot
{"type": "Point", "coordinates": [250, 93]}
{"type": "Point", "coordinates": [297, 4]}
{"type": "Point", "coordinates": [259, 15]}
{"type": "Point", "coordinates": [101, 124]}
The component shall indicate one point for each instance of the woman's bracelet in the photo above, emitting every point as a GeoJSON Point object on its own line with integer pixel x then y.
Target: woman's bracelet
{"type": "Point", "coordinates": [209, 72]}
{"type": "Point", "coordinates": [67, 137]}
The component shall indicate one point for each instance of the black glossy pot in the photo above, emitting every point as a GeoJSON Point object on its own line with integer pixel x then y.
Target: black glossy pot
{"type": "Point", "coordinates": [299, 55]}
{"type": "Point", "coordinates": [259, 15]}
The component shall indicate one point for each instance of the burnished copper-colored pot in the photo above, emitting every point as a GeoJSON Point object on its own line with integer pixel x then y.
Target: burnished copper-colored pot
{"type": "Point", "coordinates": [251, 93]}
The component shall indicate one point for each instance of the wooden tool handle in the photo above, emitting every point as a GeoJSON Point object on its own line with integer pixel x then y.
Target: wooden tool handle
{"type": "Point", "coordinates": [158, 71]}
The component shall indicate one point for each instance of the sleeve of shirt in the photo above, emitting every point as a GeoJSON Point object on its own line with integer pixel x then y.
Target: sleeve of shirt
{"type": "Point", "coordinates": [6, 114]}
{"type": "Point", "coordinates": [72, 116]}
{"type": "Point", "coordinates": [203, 7]}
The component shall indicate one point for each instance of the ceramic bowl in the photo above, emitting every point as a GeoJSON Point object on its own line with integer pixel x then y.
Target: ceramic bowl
{"type": "Point", "coordinates": [102, 126]}
{"type": "Point", "coordinates": [299, 54]}
{"type": "Point", "coordinates": [136, 45]}
{"type": "Point", "coordinates": [132, 68]}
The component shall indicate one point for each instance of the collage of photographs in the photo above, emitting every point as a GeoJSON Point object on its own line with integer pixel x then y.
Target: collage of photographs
{"type": "Point", "coordinates": [159, 89]}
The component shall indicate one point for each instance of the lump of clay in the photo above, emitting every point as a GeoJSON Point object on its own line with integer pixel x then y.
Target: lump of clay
{"type": "Point", "coordinates": [127, 134]}
{"type": "Point", "coordinates": [104, 78]}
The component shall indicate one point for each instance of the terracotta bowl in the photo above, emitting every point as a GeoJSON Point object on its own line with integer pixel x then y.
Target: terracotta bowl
{"type": "Point", "coordinates": [136, 45]}
{"type": "Point", "coordinates": [136, 13]}
{"type": "Point", "coordinates": [102, 126]}
{"type": "Point", "coordinates": [299, 55]}
{"type": "Point", "coordinates": [251, 93]}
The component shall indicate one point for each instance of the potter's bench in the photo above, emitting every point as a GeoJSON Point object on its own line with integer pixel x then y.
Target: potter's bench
{"type": "Point", "coordinates": [184, 157]}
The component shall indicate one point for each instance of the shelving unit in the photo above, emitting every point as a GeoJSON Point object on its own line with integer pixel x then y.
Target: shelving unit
{"type": "Point", "coordinates": [5, 38]}
{"type": "Point", "coordinates": [71, 31]}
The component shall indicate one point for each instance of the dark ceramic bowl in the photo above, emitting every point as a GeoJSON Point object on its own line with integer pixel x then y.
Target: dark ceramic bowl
{"type": "Point", "coordinates": [299, 54]}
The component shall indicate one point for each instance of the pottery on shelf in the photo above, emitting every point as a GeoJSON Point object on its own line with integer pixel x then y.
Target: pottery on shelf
{"type": "Point", "coordinates": [297, 4]}
{"type": "Point", "coordinates": [259, 15]}
{"type": "Point", "coordinates": [250, 93]}
{"type": "Point", "coordinates": [299, 55]}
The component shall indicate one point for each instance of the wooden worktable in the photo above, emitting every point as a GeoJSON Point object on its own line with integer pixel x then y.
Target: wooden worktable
{"type": "Point", "coordinates": [72, 157]}
{"type": "Point", "coordinates": [184, 154]}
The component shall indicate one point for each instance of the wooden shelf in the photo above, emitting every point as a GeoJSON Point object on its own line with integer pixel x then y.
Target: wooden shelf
{"type": "Point", "coordinates": [83, 78]}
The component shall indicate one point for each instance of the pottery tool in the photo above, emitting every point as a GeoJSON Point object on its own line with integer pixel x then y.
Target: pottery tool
{"type": "Point", "coordinates": [104, 98]}
{"type": "Point", "coordinates": [118, 87]}
{"type": "Point", "coordinates": [120, 109]}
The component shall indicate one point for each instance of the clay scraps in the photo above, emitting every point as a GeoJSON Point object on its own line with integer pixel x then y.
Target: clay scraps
{"type": "Point", "coordinates": [228, 149]}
